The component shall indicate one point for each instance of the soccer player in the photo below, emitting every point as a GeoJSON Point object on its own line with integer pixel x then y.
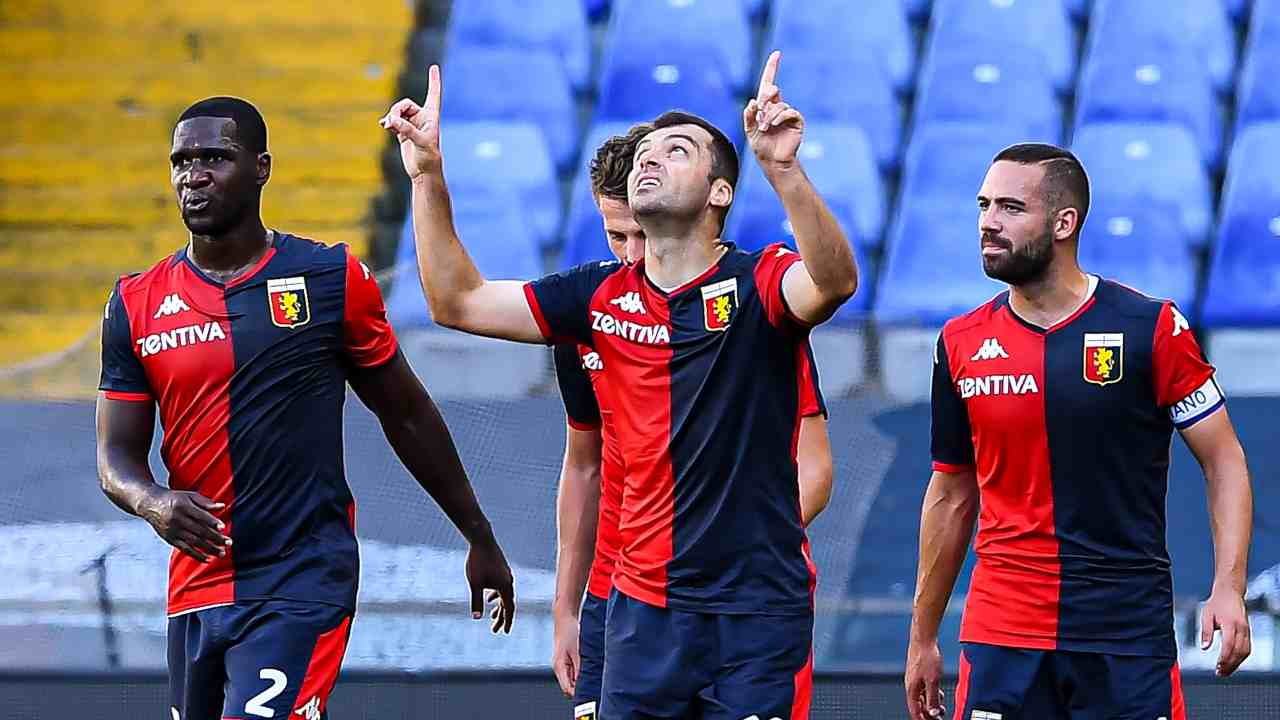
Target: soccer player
{"type": "Point", "coordinates": [711, 612]}
{"type": "Point", "coordinates": [246, 339]}
{"type": "Point", "coordinates": [1054, 406]}
{"type": "Point", "coordinates": [592, 459]}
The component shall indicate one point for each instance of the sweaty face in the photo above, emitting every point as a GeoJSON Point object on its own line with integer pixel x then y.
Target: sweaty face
{"type": "Point", "coordinates": [671, 173]}
{"type": "Point", "coordinates": [1015, 226]}
{"type": "Point", "coordinates": [214, 177]}
{"type": "Point", "coordinates": [626, 237]}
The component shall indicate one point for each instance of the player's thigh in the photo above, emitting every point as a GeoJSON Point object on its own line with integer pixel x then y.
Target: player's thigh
{"type": "Point", "coordinates": [1120, 687]}
{"type": "Point", "coordinates": [285, 660]}
{"type": "Point", "coordinates": [586, 695]}
{"type": "Point", "coordinates": [656, 660]}
{"type": "Point", "coordinates": [196, 672]}
{"type": "Point", "coordinates": [1000, 683]}
{"type": "Point", "coordinates": [764, 668]}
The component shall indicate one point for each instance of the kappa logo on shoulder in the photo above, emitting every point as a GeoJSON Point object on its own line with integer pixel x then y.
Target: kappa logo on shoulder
{"type": "Point", "coordinates": [310, 711]}
{"type": "Point", "coordinates": [592, 361]}
{"type": "Point", "coordinates": [171, 305]}
{"type": "Point", "coordinates": [990, 350]}
{"type": "Point", "coordinates": [630, 303]}
{"type": "Point", "coordinates": [1179, 322]}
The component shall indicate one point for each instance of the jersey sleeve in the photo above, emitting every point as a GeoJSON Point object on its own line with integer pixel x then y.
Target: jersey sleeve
{"type": "Point", "coordinates": [811, 400]}
{"type": "Point", "coordinates": [123, 377]}
{"type": "Point", "coordinates": [580, 406]}
{"type": "Point", "coordinates": [952, 436]}
{"type": "Point", "coordinates": [560, 302]}
{"type": "Point", "coordinates": [369, 339]}
{"type": "Point", "coordinates": [773, 264]}
{"type": "Point", "coordinates": [1184, 380]}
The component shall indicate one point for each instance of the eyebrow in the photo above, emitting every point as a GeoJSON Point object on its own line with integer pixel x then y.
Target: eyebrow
{"type": "Point", "coordinates": [647, 142]}
{"type": "Point", "coordinates": [204, 151]}
{"type": "Point", "coordinates": [1004, 201]}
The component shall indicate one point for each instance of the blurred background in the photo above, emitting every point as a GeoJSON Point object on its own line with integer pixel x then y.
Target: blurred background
{"type": "Point", "coordinates": [1172, 105]}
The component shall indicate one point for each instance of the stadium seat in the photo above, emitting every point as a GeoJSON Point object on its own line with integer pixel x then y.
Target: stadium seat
{"type": "Point", "coordinates": [485, 157]}
{"type": "Point", "coordinates": [584, 234]}
{"type": "Point", "coordinates": [554, 25]}
{"type": "Point", "coordinates": [1165, 88]}
{"type": "Point", "coordinates": [639, 87]}
{"type": "Point", "coordinates": [1243, 288]}
{"type": "Point", "coordinates": [1154, 161]}
{"type": "Point", "coordinates": [988, 84]}
{"type": "Point", "coordinates": [835, 89]}
{"type": "Point", "coordinates": [1041, 29]}
{"type": "Point", "coordinates": [1258, 98]}
{"type": "Point", "coordinates": [847, 31]}
{"type": "Point", "coordinates": [1139, 244]}
{"type": "Point", "coordinates": [946, 162]}
{"type": "Point", "coordinates": [1264, 25]}
{"type": "Point", "coordinates": [1153, 28]}
{"type": "Point", "coordinates": [543, 96]}
{"type": "Point", "coordinates": [650, 30]}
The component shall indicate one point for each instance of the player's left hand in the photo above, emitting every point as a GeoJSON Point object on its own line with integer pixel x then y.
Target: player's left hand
{"type": "Point", "coordinates": [487, 569]}
{"type": "Point", "coordinates": [1225, 611]}
{"type": "Point", "coordinates": [774, 128]}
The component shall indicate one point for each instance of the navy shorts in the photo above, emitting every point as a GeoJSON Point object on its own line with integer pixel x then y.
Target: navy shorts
{"type": "Point", "coordinates": [663, 663]}
{"type": "Point", "coordinates": [586, 694]}
{"type": "Point", "coordinates": [275, 658]}
{"type": "Point", "coordinates": [999, 683]}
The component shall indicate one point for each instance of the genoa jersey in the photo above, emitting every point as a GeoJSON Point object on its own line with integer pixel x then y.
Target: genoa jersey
{"type": "Point", "coordinates": [580, 374]}
{"type": "Point", "coordinates": [703, 386]}
{"type": "Point", "coordinates": [1069, 430]}
{"type": "Point", "coordinates": [250, 379]}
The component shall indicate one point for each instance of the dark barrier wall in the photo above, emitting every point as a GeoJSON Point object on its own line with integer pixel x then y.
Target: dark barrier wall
{"type": "Point", "coordinates": [530, 696]}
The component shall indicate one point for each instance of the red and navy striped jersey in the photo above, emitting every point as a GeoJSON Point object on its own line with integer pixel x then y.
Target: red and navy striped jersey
{"type": "Point", "coordinates": [704, 387]}
{"type": "Point", "coordinates": [250, 379]}
{"type": "Point", "coordinates": [580, 374]}
{"type": "Point", "coordinates": [1069, 430]}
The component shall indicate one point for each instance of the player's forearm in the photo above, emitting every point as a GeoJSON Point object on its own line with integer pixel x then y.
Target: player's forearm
{"type": "Point", "coordinates": [127, 481]}
{"type": "Point", "coordinates": [946, 524]}
{"type": "Point", "coordinates": [577, 509]}
{"type": "Point", "coordinates": [1231, 517]}
{"type": "Point", "coordinates": [446, 270]}
{"type": "Point", "coordinates": [823, 246]}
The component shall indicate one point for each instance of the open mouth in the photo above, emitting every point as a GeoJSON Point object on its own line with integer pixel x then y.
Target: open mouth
{"type": "Point", "coordinates": [195, 204]}
{"type": "Point", "coordinates": [648, 182]}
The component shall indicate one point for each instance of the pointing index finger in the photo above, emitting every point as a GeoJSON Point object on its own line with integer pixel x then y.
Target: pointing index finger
{"type": "Point", "coordinates": [770, 72]}
{"type": "Point", "coordinates": [434, 88]}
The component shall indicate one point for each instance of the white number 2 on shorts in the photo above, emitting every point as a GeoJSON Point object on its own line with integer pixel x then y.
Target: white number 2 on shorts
{"type": "Point", "coordinates": [257, 704]}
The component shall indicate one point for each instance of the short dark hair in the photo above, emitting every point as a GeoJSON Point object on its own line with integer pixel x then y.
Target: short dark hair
{"type": "Point", "coordinates": [1065, 183]}
{"type": "Point", "coordinates": [251, 129]}
{"type": "Point", "coordinates": [724, 156]}
{"type": "Point", "coordinates": [612, 163]}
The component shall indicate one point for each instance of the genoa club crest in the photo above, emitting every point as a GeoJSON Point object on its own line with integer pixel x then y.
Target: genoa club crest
{"type": "Point", "coordinates": [1103, 357]}
{"type": "Point", "coordinates": [719, 303]}
{"type": "Point", "coordinates": [288, 300]}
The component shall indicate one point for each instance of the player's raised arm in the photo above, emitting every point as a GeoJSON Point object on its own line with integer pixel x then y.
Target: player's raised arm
{"type": "Point", "coordinates": [829, 274]}
{"type": "Point", "coordinates": [458, 296]}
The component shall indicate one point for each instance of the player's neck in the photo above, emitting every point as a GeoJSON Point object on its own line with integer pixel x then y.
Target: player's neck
{"type": "Point", "coordinates": [670, 262]}
{"type": "Point", "coordinates": [227, 255]}
{"type": "Point", "coordinates": [1053, 298]}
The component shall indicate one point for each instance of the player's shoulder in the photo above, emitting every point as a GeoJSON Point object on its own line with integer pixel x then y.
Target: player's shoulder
{"type": "Point", "coordinates": [977, 318]}
{"type": "Point", "coordinates": [136, 282]}
{"type": "Point", "coordinates": [772, 252]}
{"type": "Point", "coordinates": [1129, 302]}
{"type": "Point", "coordinates": [306, 253]}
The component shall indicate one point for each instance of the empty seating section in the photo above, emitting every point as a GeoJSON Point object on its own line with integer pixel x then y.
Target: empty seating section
{"type": "Point", "coordinates": [1041, 29]}
{"type": "Point", "coordinates": [641, 31]}
{"type": "Point", "coordinates": [551, 25]}
{"type": "Point", "coordinates": [847, 30]}
{"type": "Point", "coordinates": [1201, 27]}
{"type": "Point", "coordinates": [989, 85]}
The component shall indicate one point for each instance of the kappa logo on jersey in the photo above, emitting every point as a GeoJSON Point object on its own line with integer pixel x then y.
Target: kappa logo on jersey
{"type": "Point", "coordinates": [171, 305]}
{"type": "Point", "coordinates": [990, 350]}
{"type": "Point", "coordinates": [310, 711]}
{"type": "Point", "coordinates": [719, 302]}
{"type": "Point", "coordinates": [1179, 322]}
{"type": "Point", "coordinates": [1103, 358]}
{"type": "Point", "coordinates": [627, 330]}
{"type": "Point", "coordinates": [592, 361]}
{"type": "Point", "coordinates": [630, 303]}
{"type": "Point", "coordinates": [997, 385]}
{"type": "Point", "coordinates": [179, 337]}
{"type": "Point", "coordinates": [585, 711]}
{"type": "Point", "coordinates": [288, 300]}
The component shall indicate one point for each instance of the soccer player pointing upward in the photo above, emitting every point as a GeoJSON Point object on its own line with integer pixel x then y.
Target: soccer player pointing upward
{"type": "Point", "coordinates": [711, 614]}
{"type": "Point", "coordinates": [1054, 405]}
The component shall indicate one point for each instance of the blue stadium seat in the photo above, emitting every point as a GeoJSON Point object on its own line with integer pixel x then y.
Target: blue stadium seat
{"type": "Point", "coordinates": [1244, 274]}
{"type": "Point", "coordinates": [543, 96]}
{"type": "Point", "coordinates": [1258, 98]}
{"type": "Point", "coordinates": [933, 267]}
{"type": "Point", "coordinates": [496, 236]}
{"type": "Point", "coordinates": [584, 234]}
{"type": "Point", "coordinates": [645, 87]}
{"type": "Point", "coordinates": [554, 25]}
{"type": "Point", "coordinates": [839, 161]}
{"type": "Point", "coordinates": [830, 89]}
{"type": "Point", "coordinates": [1041, 29]}
{"type": "Point", "coordinates": [1158, 162]}
{"type": "Point", "coordinates": [1141, 244]}
{"type": "Point", "coordinates": [1264, 25]}
{"type": "Point", "coordinates": [988, 84]}
{"type": "Point", "coordinates": [1153, 28]}
{"type": "Point", "coordinates": [1167, 88]}
{"type": "Point", "coordinates": [650, 30]}
{"type": "Point", "coordinates": [946, 163]}
{"type": "Point", "coordinates": [506, 155]}
{"type": "Point", "coordinates": [846, 30]}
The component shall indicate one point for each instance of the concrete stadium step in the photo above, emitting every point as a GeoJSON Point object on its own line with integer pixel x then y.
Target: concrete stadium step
{"type": "Point", "coordinates": [28, 335]}
{"type": "Point", "coordinates": [133, 15]}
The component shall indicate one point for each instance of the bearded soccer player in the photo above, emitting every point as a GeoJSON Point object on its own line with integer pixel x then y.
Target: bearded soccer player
{"type": "Point", "coordinates": [712, 612]}
{"type": "Point", "coordinates": [246, 339]}
{"type": "Point", "coordinates": [1054, 406]}
{"type": "Point", "coordinates": [591, 477]}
